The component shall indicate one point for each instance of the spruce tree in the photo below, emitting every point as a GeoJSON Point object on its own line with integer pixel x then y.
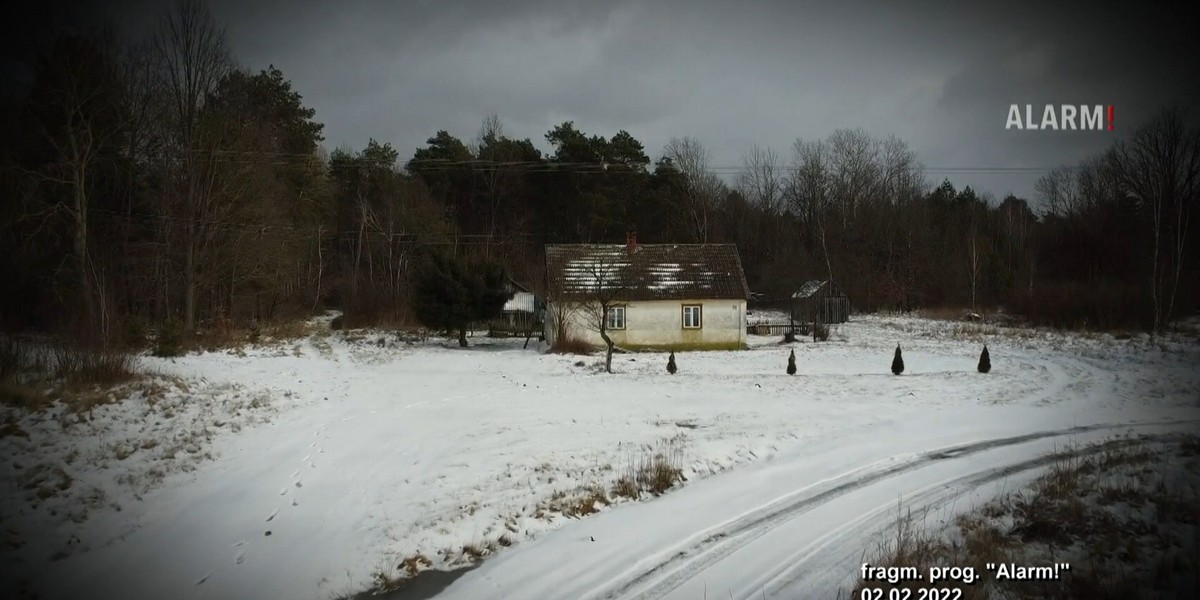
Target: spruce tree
{"type": "Point", "coordinates": [791, 369]}
{"type": "Point", "coordinates": [671, 363]}
{"type": "Point", "coordinates": [897, 362]}
{"type": "Point", "coordinates": [985, 360]}
{"type": "Point", "coordinates": [450, 295]}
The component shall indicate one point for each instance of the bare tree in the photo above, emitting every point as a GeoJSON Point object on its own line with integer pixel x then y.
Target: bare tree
{"type": "Point", "coordinates": [761, 180]}
{"type": "Point", "coordinates": [701, 187]}
{"type": "Point", "coordinates": [194, 60]}
{"type": "Point", "coordinates": [497, 174]}
{"type": "Point", "coordinates": [603, 274]}
{"type": "Point", "coordinates": [853, 161]}
{"type": "Point", "coordinates": [1059, 192]}
{"type": "Point", "coordinates": [78, 107]}
{"type": "Point", "coordinates": [811, 189]}
{"type": "Point", "coordinates": [903, 177]}
{"type": "Point", "coordinates": [973, 267]}
{"type": "Point", "coordinates": [1160, 167]}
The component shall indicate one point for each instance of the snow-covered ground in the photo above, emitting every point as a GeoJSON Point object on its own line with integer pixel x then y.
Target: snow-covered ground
{"type": "Point", "coordinates": [301, 470]}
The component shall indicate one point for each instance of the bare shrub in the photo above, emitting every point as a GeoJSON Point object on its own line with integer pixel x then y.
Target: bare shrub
{"type": "Point", "coordinates": [821, 332]}
{"type": "Point", "coordinates": [91, 365]}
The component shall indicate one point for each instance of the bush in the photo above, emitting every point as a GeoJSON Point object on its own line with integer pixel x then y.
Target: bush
{"type": "Point", "coordinates": [821, 332]}
{"type": "Point", "coordinates": [169, 341]}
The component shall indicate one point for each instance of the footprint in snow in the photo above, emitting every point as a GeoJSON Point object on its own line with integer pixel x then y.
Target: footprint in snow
{"type": "Point", "coordinates": [272, 515]}
{"type": "Point", "coordinates": [240, 558]}
{"type": "Point", "coordinates": [283, 492]}
{"type": "Point", "coordinates": [205, 578]}
{"type": "Point", "coordinates": [295, 474]}
{"type": "Point", "coordinates": [298, 484]}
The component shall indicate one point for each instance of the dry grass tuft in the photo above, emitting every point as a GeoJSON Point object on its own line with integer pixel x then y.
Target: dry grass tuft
{"type": "Point", "coordinates": [655, 472]}
{"type": "Point", "coordinates": [414, 564]}
{"type": "Point", "coordinates": [579, 502]}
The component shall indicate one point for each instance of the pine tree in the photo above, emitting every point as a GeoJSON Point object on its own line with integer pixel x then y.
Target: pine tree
{"type": "Point", "coordinates": [898, 362]}
{"type": "Point", "coordinates": [791, 370]}
{"type": "Point", "coordinates": [985, 360]}
{"type": "Point", "coordinates": [671, 368]}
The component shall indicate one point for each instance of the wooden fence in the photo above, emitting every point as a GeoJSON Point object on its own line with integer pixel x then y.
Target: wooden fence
{"type": "Point", "coordinates": [776, 328]}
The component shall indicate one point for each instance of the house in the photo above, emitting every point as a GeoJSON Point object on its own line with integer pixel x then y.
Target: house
{"type": "Point", "coordinates": [522, 313]}
{"type": "Point", "coordinates": [820, 302]}
{"type": "Point", "coordinates": [650, 296]}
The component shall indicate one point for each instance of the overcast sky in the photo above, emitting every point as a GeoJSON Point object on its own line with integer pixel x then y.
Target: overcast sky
{"type": "Point", "coordinates": [940, 75]}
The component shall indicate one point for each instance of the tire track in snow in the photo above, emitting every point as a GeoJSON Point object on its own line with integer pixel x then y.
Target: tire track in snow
{"type": "Point", "coordinates": [722, 541]}
{"type": "Point", "coordinates": [825, 556]}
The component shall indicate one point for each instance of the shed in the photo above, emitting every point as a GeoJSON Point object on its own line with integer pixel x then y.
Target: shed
{"type": "Point", "coordinates": [821, 302]}
{"type": "Point", "coordinates": [521, 315]}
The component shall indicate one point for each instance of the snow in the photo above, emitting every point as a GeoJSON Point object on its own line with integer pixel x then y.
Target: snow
{"type": "Point", "coordinates": [357, 450]}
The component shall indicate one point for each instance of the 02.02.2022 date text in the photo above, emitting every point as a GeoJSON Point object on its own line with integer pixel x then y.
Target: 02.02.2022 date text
{"type": "Point", "coordinates": [906, 594]}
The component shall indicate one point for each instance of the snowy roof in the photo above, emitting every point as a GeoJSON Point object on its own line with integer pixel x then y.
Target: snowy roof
{"type": "Point", "coordinates": [649, 272]}
{"type": "Point", "coordinates": [520, 302]}
{"type": "Point", "coordinates": [812, 286]}
{"type": "Point", "coordinates": [809, 288]}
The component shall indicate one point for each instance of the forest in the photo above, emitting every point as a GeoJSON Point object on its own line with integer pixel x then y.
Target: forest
{"type": "Point", "coordinates": [158, 183]}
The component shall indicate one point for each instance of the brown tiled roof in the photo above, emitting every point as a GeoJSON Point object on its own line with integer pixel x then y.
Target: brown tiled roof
{"type": "Point", "coordinates": [650, 272]}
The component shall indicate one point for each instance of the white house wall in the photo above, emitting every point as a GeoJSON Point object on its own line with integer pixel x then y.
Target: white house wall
{"type": "Point", "coordinates": [658, 324]}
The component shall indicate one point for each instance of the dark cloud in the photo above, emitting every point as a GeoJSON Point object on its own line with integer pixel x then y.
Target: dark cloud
{"type": "Point", "coordinates": [940, 75]}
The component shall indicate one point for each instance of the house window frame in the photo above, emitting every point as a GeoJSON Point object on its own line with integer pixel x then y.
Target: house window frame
{"type": "Point", "coordinates": [699, 316]}
{"type": "Point", "coordinates": [612, 311]}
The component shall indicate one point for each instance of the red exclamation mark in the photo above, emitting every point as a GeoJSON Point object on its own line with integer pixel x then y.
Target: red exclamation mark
{"type": "Point", "coordinates": [1112, 117]}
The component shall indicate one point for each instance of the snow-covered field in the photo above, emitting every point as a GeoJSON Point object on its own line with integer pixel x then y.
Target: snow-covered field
{"type": "Point", "coordinates": [302, 470]}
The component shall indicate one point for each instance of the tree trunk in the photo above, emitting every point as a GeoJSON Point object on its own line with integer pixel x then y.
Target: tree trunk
{"type": "Point", "coordinates": [462, 338]}
{"type": "Point", "coordinates": [189, 286]}
{"type": "Point", "coordinates": [608, 343]}
{"type": "Point", "coordinates": [81, 254]}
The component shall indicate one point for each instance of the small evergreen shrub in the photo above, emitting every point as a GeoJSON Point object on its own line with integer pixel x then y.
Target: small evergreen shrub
{"type": "Point", "coordinates": [985, 360]}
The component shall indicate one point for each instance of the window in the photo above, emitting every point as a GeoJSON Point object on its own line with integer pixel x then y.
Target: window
{"type": "Point", "coordinates": [691, 316]}
{"type": "Point", "coordinates": [616, 317]}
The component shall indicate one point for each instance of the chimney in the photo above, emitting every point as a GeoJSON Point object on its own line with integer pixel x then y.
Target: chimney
{"type": "Point", "coordinates": [631, 241]}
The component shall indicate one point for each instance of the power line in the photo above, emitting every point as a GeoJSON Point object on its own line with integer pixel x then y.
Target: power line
{"type": "Point", "coordinates": [551, 165]}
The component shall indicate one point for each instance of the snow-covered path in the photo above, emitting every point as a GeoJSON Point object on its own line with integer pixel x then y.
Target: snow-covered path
{"type": "Point", "coordinates": [372, 454]}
